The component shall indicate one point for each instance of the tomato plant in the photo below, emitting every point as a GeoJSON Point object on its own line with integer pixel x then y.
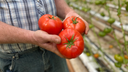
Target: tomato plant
{"type": "Point", "coordinates": [72, 43]}
{"type": "Point", "coordinates": [74, 23]}
{"type": "Point", "coordinates": [118, 58]}
{"type": "Point", "coordinates": [51, 24]}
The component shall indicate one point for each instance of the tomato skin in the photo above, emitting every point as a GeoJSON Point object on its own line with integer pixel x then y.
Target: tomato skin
{"type": "Point", "coordinates": [76, 49]}
{"type": "Point", "coordinates": [50, 24]}
{"type": "Point", "coordinates": [79, 26]}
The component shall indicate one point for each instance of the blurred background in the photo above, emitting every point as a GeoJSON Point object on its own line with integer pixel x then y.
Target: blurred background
{"type": "Point", "coordinates": [106, 44]}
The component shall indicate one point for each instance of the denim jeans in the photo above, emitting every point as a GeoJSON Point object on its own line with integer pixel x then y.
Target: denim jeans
{"type": "Point", "coordinates": [33, 60]}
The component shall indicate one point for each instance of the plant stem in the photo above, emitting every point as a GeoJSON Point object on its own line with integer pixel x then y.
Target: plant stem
{"type": "Point", "coordinates": [89, 48]}
{"type": "Point", "coordinates": [102, 50]}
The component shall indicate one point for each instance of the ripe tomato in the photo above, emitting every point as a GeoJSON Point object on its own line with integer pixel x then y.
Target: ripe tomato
{"type": "Point", "coordinates": [51, 24]}
{"type": "Point", "coordinates": [72, 43]}
{"type": "Point", "coordinates": [126, 56]}
{"type": "Point", "coordinates": [75, 23]}
{"type": "Point", "coordinates": [96, 55]}
{"type": "Point", "coordinates": [118, 58]}
{"type": "Point", "coordinates": [110, 46]}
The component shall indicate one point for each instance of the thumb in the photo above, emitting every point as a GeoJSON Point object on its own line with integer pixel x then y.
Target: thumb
{"type": "Point", "coordinates": [54, 39]}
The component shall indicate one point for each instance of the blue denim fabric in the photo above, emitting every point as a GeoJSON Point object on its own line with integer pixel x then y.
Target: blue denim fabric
{"type": "Point", "coordinates": [35, 60]}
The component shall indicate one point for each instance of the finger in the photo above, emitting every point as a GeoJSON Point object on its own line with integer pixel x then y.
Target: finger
{"type": "Point", "coordinates": [87, 28]}
{"type": "Point", "coordinates": [54, 39]}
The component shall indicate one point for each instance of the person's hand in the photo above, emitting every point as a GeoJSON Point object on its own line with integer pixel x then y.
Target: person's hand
{"type": "Point", "coordinates": [47, 41]}
{"type": "Point", "coordinates": [72, 13]}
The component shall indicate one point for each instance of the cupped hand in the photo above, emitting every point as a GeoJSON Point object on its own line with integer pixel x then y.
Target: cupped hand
{"type": "Point", "coordinates": [47, 41]}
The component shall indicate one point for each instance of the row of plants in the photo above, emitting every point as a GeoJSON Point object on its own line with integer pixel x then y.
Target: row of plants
{"type": "Point", "coordinates": [120, 59]}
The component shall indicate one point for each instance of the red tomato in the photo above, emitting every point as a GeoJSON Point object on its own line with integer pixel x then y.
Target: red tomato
{"type": "Point", "coordinates": [51, 24]}
{"type": "Point", "coordinates": [96, 55]}
{"type": "Point", "coordinates": [75, 23]}
{"type": "Point", "coordinates": [72, 43]}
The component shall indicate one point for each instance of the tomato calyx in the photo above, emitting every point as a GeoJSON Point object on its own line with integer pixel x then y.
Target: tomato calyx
{"type": "Point", "coordinates": [52, 17]}
{"type": "Point", "coordinates": [74, 21]}
{"type": "Point", "coordinates": [70, 42]}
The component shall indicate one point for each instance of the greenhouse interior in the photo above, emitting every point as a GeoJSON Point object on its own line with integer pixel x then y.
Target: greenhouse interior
{"type": "Point", "coordinates": [106, 44]}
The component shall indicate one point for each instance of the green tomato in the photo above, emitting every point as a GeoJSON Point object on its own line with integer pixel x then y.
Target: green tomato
{"type": "Point", "coordinates": [88, 54]}
{"type": "Point", "coordinates": [85, 10]}
{"type": "Point", "coordinates": [111, 20]}
{"type": "Point", "coordinates": [118, 64]}
{"type": "Point", "coordinates": [118, 58]}
{"type": "Point", "coordinates": [101, 34]}
{"type": "Point", "coordinates": [91, 26]}
{"type": "Point", "coordinates": [98, 2]}
{"type": "Point", "coordinates": [107, 30]}
{"type": "Point", "coordinates": [102, 14]}
{"type": "Point", "coordinates": [103, 2]}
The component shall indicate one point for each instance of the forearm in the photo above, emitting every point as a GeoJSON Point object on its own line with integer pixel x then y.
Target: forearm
{"type": "Point", "coordinates": [62, 8]}
{"type": "Point", "coordinates": [11, 34]}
